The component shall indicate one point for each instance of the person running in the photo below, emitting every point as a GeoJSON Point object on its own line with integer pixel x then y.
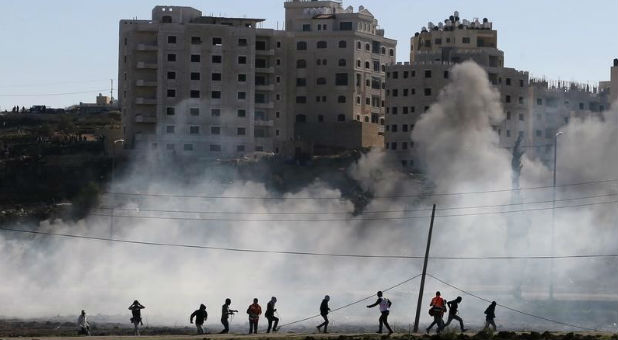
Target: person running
{"type": "Point", "coordinates": [385, 304]}
{"type": "Point", "coordinates": [452, 313]}
{"type": "Point", "coordinates": [136, 313]}
{"type": "Point", "coordinates": [254, 312]}
{"type": "Point", "coordinates": [270, 315]}
{"type": "Point", "coordinates": [324, 312]}
{"type": "Point", "coordinates": [200, 316]}
{"type": "Point", "coordinates": [437, 310]}
{"type": "Point", "coordinates": [225, 315]}
{"type": "Point", "coordinates": [82, 322]}
{"type": "Point", "coordinates": [490, 315]}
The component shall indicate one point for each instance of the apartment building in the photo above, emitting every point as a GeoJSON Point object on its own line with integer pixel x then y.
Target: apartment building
{"type": "Point", "coordinates": [534, 109]}
{"type": "Point", "coordinates": [221, 87]}
{"type": "Point", "coordinates": [338, 92]}
{"type": "Point", "coordinates": [412, 87]}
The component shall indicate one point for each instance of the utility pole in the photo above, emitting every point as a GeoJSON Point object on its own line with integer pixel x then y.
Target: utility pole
{"type": "Point", "coordinates": [422, 288]}
{"type": "Point", "coordinates": [111, 90]}
{"type": "Point", "coordinates": [553, 217]}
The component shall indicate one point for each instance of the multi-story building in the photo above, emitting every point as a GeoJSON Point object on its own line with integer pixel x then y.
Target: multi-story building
{"type": "Point", "coordinates": [412, 87]}
{"type": "Point", "coordinates": [221, 87]}
{"type": "Point", "coordinates": [534, 109]}
{"type": "Point", "coordinates": [613, 92]}
{"type": "Point", "coordinates": [338, 84]}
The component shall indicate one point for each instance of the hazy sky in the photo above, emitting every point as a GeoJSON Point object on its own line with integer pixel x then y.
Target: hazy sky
{"type": "Point", "coordinates": [68, 46]}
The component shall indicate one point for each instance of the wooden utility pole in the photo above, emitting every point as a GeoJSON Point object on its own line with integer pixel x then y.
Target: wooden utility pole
{"type": "Point", "coordinates": [422, 288]}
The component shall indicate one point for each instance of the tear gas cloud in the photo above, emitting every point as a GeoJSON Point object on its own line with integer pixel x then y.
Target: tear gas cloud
{"type": "Point", "coordinates": [460, 152]}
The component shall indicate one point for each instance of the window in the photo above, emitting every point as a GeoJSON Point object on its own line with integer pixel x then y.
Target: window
{"type": "Point", "coordinates": [437, 41]}
{"type": "Point", "coordinates": [341, 79]}
{"type": "Point", "coordinates": [301, 63]}
{"type": "Point", "coordinates": [405, 92]}
{"type": "Point", "coordinates": [194, 93]}
{"type": "Point", "coordinates": [445, 74]}
{"type": "Point", "coordinates": [195, 58]}
{"type": "Point", "coordinates": [539, 101]}
{"type": "Point", "coordinates": [367, 65]}
{"type": "Point", "coordinates": [427, 73]}
{"type": "Point", "coordinates": [394, 110]}
{"type": "Point", "coordinates": [216, 59]}
{"type": "Point", "coordinates": [242, 59]}
{"type": "Point", "coordinates": [367, 47]}
{"type": "Point", "coordinates": [300, 82]}
{"type": "Point", "coordinates": [394, 128]}
{"type": "Point", "coordinates": [216, 76]}
{"type": "Point", "coordinates": [341, 118]}
{"type": "Point", "coordinates": [196, 40]}
{"type": "Point", "coordinates": [301, 118]}
{"type": "Point", "coordinates": [171, 39]}
{"type": "Point", "coordinates": [507, 99]}
{"type": "Point", "coordinates": [358, 45]}
{"type": "Point", "coordinates": [321, 44]}
{"type": "Point", "coordinates": [170, 129]}
{"type": "Point", "coordinates": [187, 147]}
{"type": "Point", "coordinates": [170, 111]}
{"type": "Point", "coordinates": [394, 144]}
{"type": "Point", "coordinates": [242, 77]}
{"type": "Point", "coordinates": [196, 76]}
{"type": "Point", "coordinates": [306, 27]}
{"type": "Point", "coordinates": [391, 52]}
{"type": "Point", "coordinates": [301, 100]}
{"type": "Point", "coordinates": [242, 42]}
{"type": "Point", "coordinates": [521, 83]}
{"type": "Point", "coordinates": [215, 147]}
{"type": "Point", "coordinates": [521, 117]}
{"type": "Point", "coordinates": [194, 130]}
{"type": "Point", "coordinates": [404, 127]}
{"type": "Point", "coordinates": [260, 45]}
{"type": "Point", "coordinates": [215, 112]}
{"type": "Point", "coordinates": [241, 131]}
{"type": "Point", "coordinates": [341, 99]}
{"type": "Point", "coordinates": [345, 26]}
{"type": "Point", "coordinates": [215, 95]}
{"type": "Point", "coordinates": [428, 92]}
{"type": "Point", "coordinates": [520, 100]}
{"type": "Point", "coordinates": [301, 45]}
{"type": "Point", "coordinates": [171, 75]}
{"type": "Point", "coordinates": [508, 115]}
{"type": "Point", "coordinates": [217, 41]}
{"type": "Point", "coordinates": [171, 93]}
{"type": "Point", "coordinates": [166, 19]}
{"type": "Point", "coordinates": [171, 57]}
{"type": "Point", "coordinates": [395, 93]}
{"type": "Point", "coordinates": [194, 111]}
{"type": "Point", "coordinates": [465, 40]}
{"type": "Point", "coordinates": [215, 130]}
{"type": "Point", "coordinates": [395, 75]}
{"type": "Point", "coordinates": [343, 44]}
{"type": "Point", "coordinates": [321, 81]}
{"type": "Point", "coordinates": [242, 95]}
{"type": "Point", "coordinates": [508, 81]}
{"type": "Point", "coordinates": [342, 62]}
{"type": "Point", "coordinates": [278, 44]}
{"type": "Point", "coordinates": [241, 113]}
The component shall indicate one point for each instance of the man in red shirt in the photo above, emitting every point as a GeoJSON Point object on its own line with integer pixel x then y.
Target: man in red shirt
{"type": "Point", "coordinates": [438, 307]}
{"type": "Point", "coordinates": [254, 312]}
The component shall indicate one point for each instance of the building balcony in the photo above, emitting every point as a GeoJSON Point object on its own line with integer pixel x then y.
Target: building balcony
{"type": "Point", "coordinates": [268, 123]}
{"type": "Point", "coordinates": [269, 105]}
{"type": "Point", "coordinates": [270, 52]}
{"type": "Point", "coordinates": [147, 47]}
{"type": "Point", "coordinates": [140, 118]}
{"type": "Point", "coordinates": [146, 83]}
{"type": "Point", "coordinates": [264, 70]}
{"type": "Point", "coordinates": [145, 65]}
{"type": "Point", "coordinates": [265, 87]}
{"type": "Point", "coordinates": [145, 101]}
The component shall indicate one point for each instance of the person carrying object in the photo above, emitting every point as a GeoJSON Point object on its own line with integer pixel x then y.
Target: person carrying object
{"type": "Point", "coordinates": [385, 305]}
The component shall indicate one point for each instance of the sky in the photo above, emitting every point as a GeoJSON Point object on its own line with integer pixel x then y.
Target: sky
{"type": "Point", "coordinates": [63, 52]}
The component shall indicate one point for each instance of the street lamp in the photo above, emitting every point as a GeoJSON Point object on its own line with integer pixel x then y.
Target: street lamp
{"type": "Point", "coordinates": [553, 217]}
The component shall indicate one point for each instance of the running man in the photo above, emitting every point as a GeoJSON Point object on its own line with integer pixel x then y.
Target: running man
{"type": "Point", "coordinates": [438, 307]}
{"type": "Point", "coordinates": [324, 312]}
{"type": "Point", "coordinates": [200, 316]}
{"type": "Point", "coordinates": [270, 315]}
{"type": "Point", "coordinates": [385, 304]}
{"type": "Point", "coordinates": [452, 313]}
{"type": "Point", "coordinates": [490, 315]}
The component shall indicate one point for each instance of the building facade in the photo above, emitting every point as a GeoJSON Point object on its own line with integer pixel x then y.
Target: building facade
{"type": "Point", "coordinates": [222, 87]}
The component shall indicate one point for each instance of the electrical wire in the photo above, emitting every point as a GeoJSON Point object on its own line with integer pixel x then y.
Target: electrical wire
{"type": "Point", "coordinates": [340, 198]}
{"type": "Point", "coordinates": [513, 309]}
{"type": "Point", "coordinates": [351, 303]}
{"type": "Point", "coordinates": [51, 94]}
{"type": "Point", "coordinates": [304, 253]}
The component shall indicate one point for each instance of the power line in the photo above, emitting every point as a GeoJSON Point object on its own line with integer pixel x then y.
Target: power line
{"type": "Point", "coordinates": [513, 309]}
{"type": "Point", "coordinates": [54, 83]}
{"type": "Point", "coordinates": [262, 251]}
{"type": "Point", "coordinates": [399, 218]}
{"type": "Point", "coordinates": [352, 303]}
{"type": "Point", "coordinates": [50, 94]}
{"type": "Point", "coordinates": [341, 198]}
{"type": "Point", "coordinates": [348, 212]}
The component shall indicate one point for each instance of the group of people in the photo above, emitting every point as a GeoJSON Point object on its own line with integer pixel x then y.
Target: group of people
{"type": "Point", "coordinates": [438, 306]}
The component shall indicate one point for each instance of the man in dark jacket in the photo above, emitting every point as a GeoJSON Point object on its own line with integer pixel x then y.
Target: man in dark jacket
{"type": "Point", "coordinates": [200, 316]}
{"type": "Point", "coordinates": [225, 314]}
{"type": "Point", "coordinates": [270, 315]}
{"type": "Point", "coordinates": [452, 313]}
{"type": "Point", "coordinates": [490, 315]}
{"type": "Point", "coordinates": [324, 312]}
{"type": "Point", "coordinates": [385, 304]}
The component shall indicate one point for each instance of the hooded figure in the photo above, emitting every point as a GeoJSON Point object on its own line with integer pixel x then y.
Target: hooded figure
{"type": "Point", "coordinates": [270, 315]}
{"type": "Point", "coordinates": [200, 316]}
{"type": "Point", "coordinates": [136, 315]}
{"type": "Point", "coordinates": [324, 312]}
{"type": "Point", "coordinates": [452, 313]}
{"type": "Point", "coordinates": [82, 322]}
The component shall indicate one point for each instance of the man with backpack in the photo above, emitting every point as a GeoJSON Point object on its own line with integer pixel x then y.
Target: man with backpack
{"type": "Point", "coordinates": [452, 313]}
{"type": "Point", "coordinates": [385, 304]}
{"type": "Point", "coordinates": [437, 310]}
{"type": "Point", "coordinates": [200, 316]}
{"type": "Point", "coordinates": [254, 312]}
{"type": "Point", "coordinates": [490, 315]}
